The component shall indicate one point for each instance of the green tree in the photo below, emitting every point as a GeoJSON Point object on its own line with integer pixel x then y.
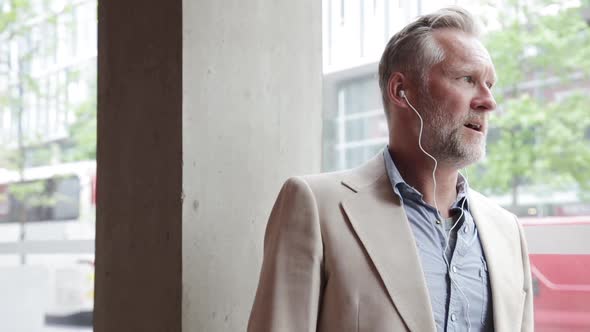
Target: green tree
{"type": "Point", "coordinates": [12, 28]}
{"type": "Point", "coordinates": [537, 139]}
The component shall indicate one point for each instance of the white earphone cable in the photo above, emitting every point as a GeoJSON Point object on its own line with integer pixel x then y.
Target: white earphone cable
{"type": "Point", "coordinates": [447, 235]}
{"type": "Point", "coordinates": [426, 153]}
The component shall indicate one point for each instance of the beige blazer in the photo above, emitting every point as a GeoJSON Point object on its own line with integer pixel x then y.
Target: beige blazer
{"type": "Point", "coordinates": [339, 255]}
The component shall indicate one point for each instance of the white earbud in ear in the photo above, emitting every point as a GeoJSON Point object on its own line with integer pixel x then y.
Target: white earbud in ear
{"type": "Point", "coordinates": [402, 93]}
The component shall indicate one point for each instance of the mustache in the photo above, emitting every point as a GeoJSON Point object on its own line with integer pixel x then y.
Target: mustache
{"type": "Point", "coordinates": [473, 116]}
{"type": "Point", "coordinates": [476, 115]}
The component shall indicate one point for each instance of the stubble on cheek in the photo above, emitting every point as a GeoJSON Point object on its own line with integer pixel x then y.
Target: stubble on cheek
{"type": "Point", "coordinates": [444, 137]}
{"type": "Point", "coordinates": [451, 144]}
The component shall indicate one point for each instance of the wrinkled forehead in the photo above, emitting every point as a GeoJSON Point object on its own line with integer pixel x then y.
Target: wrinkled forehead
{"type": "Point", "coordinates": [462, 49]}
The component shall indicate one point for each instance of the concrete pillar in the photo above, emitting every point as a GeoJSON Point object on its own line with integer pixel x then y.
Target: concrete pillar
{"type": "Point", "coordinates": [139, 158]}
{"type": "Point", "coordinates": [251, 118]}
{"type": "Point", "coordinates": [203, 112]}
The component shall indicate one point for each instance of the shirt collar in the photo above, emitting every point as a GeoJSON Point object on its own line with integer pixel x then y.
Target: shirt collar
{"type": "Point", "coordinates": [404, 190]}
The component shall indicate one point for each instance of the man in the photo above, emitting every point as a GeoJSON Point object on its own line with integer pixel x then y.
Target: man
{"type": "Point", "coordinates": [402, 243]}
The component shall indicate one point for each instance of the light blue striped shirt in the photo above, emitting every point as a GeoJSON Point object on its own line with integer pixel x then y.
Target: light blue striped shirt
{"type": "Point", "coordinates": [460, 293]}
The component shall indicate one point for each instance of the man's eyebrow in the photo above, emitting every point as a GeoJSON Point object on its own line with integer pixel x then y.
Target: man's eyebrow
{"type": "Point", "coordinates": [495, 78]}
{"type": "Point", "coordinates": [460, 69]}
{"type": "Point", "coordinates": [454, 70]}
{"type": "Point", "coordinates": [468, 69]}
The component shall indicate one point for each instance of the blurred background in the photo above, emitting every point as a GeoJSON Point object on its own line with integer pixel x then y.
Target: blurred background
{"type": "Point", "coordinates": [47, 164]}
{"type": "Point", "coordinates": [538, 163]}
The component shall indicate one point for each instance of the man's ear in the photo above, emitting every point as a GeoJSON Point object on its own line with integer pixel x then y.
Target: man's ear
{"type": "Point", "coordinates": [395, 86]}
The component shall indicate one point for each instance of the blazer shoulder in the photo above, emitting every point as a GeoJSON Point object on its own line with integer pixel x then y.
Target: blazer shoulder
{"type": "Point", "coordinates": [353, 179]}
{"type": "Point", "coordinates": [322, 185]}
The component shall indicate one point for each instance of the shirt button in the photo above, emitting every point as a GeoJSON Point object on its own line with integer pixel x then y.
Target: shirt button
{"type": "Point", "coordinates": [438, 222]}
{"type": "Point", "coordinates": [453, 317]}
{"type": "Point", "coordinates": [466, 229]}
{"type": "Point", "coordinates": [454, 269]}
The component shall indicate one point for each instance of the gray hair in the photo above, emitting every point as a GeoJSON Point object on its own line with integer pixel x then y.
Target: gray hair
{"type": "Point", "coordinates": [413, 50]}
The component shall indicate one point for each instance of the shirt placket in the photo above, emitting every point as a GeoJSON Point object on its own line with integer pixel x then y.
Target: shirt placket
{"type": "Point", "coordinates": [456, 313]}
{"type": "Point", "coordinates": [457, 305]}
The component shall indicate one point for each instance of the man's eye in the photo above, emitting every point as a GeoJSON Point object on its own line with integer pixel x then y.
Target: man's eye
{"type": "Point", "coordinates": [468, 79]}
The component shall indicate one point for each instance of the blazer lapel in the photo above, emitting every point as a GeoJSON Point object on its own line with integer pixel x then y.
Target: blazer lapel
{"type": "Point", "coordinates": [382, 226]}
{"type": "Point", "coordinates": [507, 295]}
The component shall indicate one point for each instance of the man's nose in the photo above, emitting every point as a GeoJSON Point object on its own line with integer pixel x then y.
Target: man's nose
{"type": "Point", "coordinates": [484, 100]}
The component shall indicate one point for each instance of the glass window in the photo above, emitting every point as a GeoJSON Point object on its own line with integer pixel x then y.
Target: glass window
{"type": "Point", "coordinates": [47, 164]}
{"type": "Point", "coordinates": [358, 124]}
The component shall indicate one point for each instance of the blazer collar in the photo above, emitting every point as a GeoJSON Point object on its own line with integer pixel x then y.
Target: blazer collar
{"type": "Point", "coordinates": [365, 175]}
{"type": "Point", "coordinates": [380, 222]}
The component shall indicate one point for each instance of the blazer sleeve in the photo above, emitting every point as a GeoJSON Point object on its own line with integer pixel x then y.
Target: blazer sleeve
{"type": "Point", "coordinates": [291, 278]}
{"type": "Point", "coordinates": [528, 321]}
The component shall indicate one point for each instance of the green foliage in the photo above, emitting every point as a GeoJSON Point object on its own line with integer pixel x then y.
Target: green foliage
{"type": "Point", "coordinates": [31, 193]}
{"type": "Point", "coordinates": [540, 140]}
{"type": "Point", "coordinates": [83, 130]}
{"type": "Point", "coordinates": [19, 11]}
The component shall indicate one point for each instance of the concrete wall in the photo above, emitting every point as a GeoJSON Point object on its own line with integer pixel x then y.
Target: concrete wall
{"type": "Point", "coordinates": [251, 118]}
{"type": "Point", "coordinates": [138, 238]}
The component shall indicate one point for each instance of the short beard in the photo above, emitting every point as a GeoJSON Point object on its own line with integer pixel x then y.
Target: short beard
{"type": "Point", "coordinates": [444, 140]}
